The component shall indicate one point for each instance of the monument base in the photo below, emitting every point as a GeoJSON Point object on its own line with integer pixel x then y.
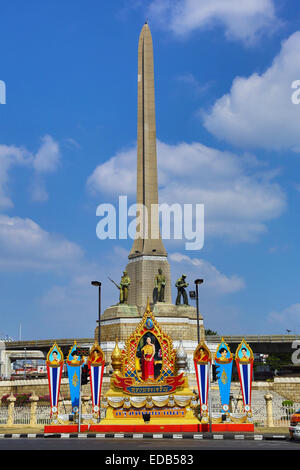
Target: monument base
{"type": "Point", "coordinates": [178, 321]}
{"type": "Point", "coordinates": [138, 426]}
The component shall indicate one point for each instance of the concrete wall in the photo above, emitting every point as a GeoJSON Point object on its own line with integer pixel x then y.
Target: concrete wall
{"type": "Point", "coordinates": [287, 387]}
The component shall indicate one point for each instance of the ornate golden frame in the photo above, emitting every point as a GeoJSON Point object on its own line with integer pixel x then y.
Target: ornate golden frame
{"type": "Point", "coordinates": [51, 363]}
{"type": "Point", "coordinates": [242, 344]}
{"type": "Point", "coordinates": [132, 342]}
{"type": "Point", "coordinates": [228, 359]}
{"type": "Point", "coordinates": [100, 360]}
{"type": "Point", "coordinates": [79, 363]}
{"type": "Point", "coordinates": [197, 357]}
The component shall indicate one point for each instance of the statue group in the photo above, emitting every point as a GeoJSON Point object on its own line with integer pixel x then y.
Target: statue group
{"type": "Point", "coordinates": [159, 288]}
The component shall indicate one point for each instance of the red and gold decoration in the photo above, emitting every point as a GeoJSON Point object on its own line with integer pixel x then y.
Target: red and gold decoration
{"type": "Point", "coordinates": [149, 389]}
{"type": "Point", "coordinates": [244, 362]}
{"type": "Point", "coordinates": [96, 364]}
{"type": "Point", "coordinates": [202, 362]}
{"type": "Point", "coordinates": [145, 382]}
{"type": "Point", "coordinates": [148, 360]}
{"type": "Point", "coordinates": [54, 363]}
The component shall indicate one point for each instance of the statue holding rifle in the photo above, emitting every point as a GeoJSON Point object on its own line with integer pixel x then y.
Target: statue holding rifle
{"type": "Point", "coordinates": [123, 287]}
{"type": "Point", "coordinates": [181, 285]}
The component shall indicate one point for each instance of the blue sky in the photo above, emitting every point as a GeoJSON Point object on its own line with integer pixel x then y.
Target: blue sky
{"type": "Point", "coordinates": [228, 137]}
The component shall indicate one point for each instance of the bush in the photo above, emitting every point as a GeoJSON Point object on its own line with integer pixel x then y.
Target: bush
{"type": "Point", "coordinates": [288, 403]}
{"type": "Point", "coordinates": [21, 398]}
{"type": "Point", "coordinates": [45, 398]}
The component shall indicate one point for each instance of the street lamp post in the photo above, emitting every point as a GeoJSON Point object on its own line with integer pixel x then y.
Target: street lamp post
{"type": "Point", "coordinates": [98, 284]}
{"type": "Point", "coordinates": [198, 282]}
{"type": "Point", "coordinates": [25, 360]}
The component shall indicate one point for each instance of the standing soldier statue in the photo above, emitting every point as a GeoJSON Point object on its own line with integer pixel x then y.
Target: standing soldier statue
{"type": "Point", "coordinates": [181, 284]}
{"type": "Point", "coordinates": [159, 286]}
{"type": "Point", "coordinates": [123, 287]}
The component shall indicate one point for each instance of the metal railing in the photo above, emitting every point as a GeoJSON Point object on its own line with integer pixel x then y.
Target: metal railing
{"type": "Point", "coordinates": [281, 413]}
{"type": "Point", "coordinates": [3, 414]}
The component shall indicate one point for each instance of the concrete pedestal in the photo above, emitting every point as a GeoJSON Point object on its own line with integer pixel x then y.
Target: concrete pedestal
{"type": "Point", "coordinates": [178, 321]}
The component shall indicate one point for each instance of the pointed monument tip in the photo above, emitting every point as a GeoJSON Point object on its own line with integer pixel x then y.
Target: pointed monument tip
{"type": "Point", "coordinates": [145, 31]}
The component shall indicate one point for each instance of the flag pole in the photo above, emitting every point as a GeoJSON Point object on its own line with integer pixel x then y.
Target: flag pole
{"type": "Point", "coordinates": [209, 397]}
{"type": "Point", "coordinates": [79, 404]}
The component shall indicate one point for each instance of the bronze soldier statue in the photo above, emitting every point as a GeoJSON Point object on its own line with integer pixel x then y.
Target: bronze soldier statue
{"type": "Point", "coordinates": [181, 284]}
{"type": "Point", "coordinates": [159, 283]}
{"type": "Point", "coordinates": [123, 287]}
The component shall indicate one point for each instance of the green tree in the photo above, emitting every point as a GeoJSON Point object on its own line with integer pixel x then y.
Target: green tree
{"type": "Point", "coordinates": [278, 361]}
{"type": "Point", "coordinates": [210, 333]}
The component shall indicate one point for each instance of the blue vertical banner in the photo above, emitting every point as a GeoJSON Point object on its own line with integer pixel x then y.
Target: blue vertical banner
{"type": "Point", "coordinates": [96, 364]}
{"type": "Point", "coordinates": [202, 362]}
{"type": "Point", "coordinates": [223, 360]}
{"type": "Point", "coordinates": [54, 363]}
{"type": "Point", "coordinates": [74, 364]}
{"type": "Point", "coordinates": [244, 362]}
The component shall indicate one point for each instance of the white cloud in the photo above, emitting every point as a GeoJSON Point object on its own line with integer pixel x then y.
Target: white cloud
{"type": "Point", "coordinates": [239, 194]}
{"type": "Point", "coordinates": [10, 156]}
{"type": "Point", "coordinates": [46, 160]}
{"type": "Point", "coordinates": [47, 157]}
{"type": "Point", "coordinates": [287, 318]}
{"type": "Point", "coordinates": [216, 281]}
{"type": "Point", "coordinates": [242, 20]}
{"type": "Point", "coordinates": [117, 172]}
{"type": "Point", "coordinates": [258, 111]}
{"type": "Point", "coordinates": [25, 245]}
{"type": "Point", "coordinates": [191, 81]}
{"type": "Point", "coordinates": [38, 190]}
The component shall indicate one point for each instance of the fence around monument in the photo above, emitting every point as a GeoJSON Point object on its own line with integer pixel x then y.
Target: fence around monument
{"type": "Point", "coordinates": [39, 415]}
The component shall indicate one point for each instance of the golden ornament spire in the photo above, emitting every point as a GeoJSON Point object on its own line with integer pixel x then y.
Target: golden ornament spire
{"type": "Point", "coordinates": [116, 359]}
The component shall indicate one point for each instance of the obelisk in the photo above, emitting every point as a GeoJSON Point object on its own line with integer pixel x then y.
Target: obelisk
{"type": "Point", "coordinates": [148, 253]}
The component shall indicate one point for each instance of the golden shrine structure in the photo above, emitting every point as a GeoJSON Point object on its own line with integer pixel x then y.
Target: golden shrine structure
{"type": "Point", "coordinates": [149, 389]}
{"type": "Point", "coordinates": [146, 391]}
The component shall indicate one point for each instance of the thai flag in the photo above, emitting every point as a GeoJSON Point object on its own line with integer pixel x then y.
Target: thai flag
{"type": "Point", "coordinates": [96, 375]}
{"type": "Point", "coordinates": [245, 375]}
{"type": "Point", "coordinates": [54, 380]}
{"type": "Point", "coordinates": [202, 373]}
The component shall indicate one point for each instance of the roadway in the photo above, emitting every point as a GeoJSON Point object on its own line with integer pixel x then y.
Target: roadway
{"type": "Point", "coordinates": [111, 448]}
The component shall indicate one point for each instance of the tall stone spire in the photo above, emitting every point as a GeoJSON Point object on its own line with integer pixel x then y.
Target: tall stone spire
{"type": "Point", "coordinates": [148, 253]}
{"type": "Point", "coordinates": [149, 241]}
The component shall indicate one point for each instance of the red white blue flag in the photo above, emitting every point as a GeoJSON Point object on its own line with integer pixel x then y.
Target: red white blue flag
{"type": "Point", "coordinates": [244, 363]}
{"type": "Point", "coordinates": [202, 362]}
{"type": "Point", "coordinates": [96, 364]}
{"type": "Point", "coordinates": [54, 362]}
